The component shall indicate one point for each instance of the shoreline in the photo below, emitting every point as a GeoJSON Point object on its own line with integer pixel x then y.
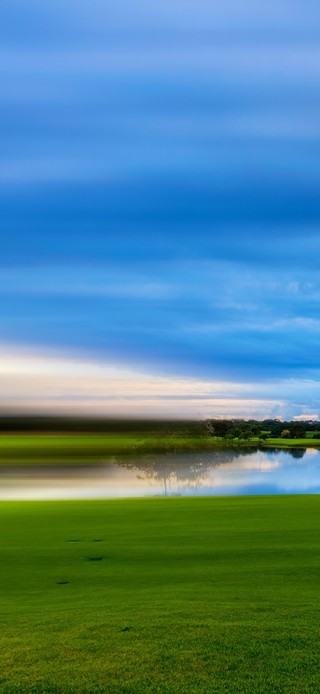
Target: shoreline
{"type": "Point", "coordinates": [46, 449]}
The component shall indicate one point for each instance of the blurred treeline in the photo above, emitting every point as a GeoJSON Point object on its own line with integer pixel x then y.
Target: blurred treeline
{"type": "Point", "coordinates": [267, 428]}
{"type": "Point", "coordinates": [47, 424]}
{"type": "Point", "coordinates": [221, 428]}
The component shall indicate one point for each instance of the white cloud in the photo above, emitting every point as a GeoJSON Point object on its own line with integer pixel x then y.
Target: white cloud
{"type": "Point", "coordinates": [38, 381]}
{"type": "Point", "coordinates": [306, 417]}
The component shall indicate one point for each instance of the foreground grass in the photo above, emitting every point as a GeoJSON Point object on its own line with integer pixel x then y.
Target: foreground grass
{"type": "Point", "coordinates": [41, 449]}
{"type": "Point", "coordinates": [214, 595]}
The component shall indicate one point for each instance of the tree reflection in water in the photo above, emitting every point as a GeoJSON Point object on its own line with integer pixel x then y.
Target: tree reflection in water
{"type": "Point", "coordinates": [294, 452]}
{"type": "Point", "coordinates": [190, 469]}
{"type": "Point", "coordinates": [297, 452]}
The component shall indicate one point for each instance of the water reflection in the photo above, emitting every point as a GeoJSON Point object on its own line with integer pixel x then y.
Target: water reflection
{"type": "Point", "coordinates": [180, 472]}
{"type": "Point", "coordinates": [293, 452]}
{"type": "Point", "coordinates": [243, 471]}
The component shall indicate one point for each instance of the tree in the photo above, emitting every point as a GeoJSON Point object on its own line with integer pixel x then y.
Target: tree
{"type": "Point", "coordinates": [234, 433]}
{"type": "Point", "coordinates": [298, 430]}
{"type": "Point", "coordinates": [247, 434]}
{"type": "Point", "coordinates": [264, 436]}
{"type": "Point", "coordinates": [210, 427]}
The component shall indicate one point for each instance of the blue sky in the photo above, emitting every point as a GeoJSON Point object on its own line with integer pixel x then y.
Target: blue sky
{"type": "Point", "coordinates": [160, 192]}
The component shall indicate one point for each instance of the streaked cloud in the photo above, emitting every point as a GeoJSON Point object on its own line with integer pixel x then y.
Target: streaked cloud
{"type": "Point", "coordinates": [160, 206]}
{"type": "Point", "coordinates": [38, 381]}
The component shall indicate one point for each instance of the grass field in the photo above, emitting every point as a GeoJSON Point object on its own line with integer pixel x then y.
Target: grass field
{"type": "Point", "coordinates": [216, 595]}
{"type": "Point", "coordinates": [61, 448]}
{"type": "Point", "coordinates": [292, 443]}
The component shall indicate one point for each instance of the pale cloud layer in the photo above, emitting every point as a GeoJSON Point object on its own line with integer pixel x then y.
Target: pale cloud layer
{"type": "Point", "coordinates": [32, 381]}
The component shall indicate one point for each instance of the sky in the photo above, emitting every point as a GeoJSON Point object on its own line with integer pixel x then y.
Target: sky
{"type": "Point", "coordinates": [160, 207]}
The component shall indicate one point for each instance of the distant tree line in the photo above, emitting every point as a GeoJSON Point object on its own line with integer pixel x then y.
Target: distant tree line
{"type": "Point", "coordinates": [267, 428]}
{"type": "Point", "coordinates": [100, 425]}
{"type": "Point", "coordinates": [228, 429]}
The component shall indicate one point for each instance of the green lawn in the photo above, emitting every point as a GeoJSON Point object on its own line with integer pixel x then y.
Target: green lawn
{"type": "Point", "coordinates": [215, 595]}
{"type": "Point", "coordinates": [61, 448]}
{"type": "Point", "coordinates": [292, 443]}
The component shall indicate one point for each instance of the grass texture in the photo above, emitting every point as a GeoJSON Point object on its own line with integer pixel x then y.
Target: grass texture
{"type": "Point", "coordinates": [217, 595]}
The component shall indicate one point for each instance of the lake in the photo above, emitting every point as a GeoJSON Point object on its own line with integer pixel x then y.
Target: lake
{"type": "Point", "coordinates": [224, 472]}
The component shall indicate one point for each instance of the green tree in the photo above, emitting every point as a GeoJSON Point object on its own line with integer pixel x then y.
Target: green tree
{"type": "Point", "coordinates": [298, 430]}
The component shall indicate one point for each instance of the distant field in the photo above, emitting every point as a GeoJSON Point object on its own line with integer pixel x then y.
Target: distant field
{"type": "Point", "coordinates": [74, 448]}
{"type": "Point", "coordinates": [216, 595]}
{"type": "Point", "coordinates": [35, 447]}
{"type": "Point", "coordinates": [62, 448]}
{"type": "Point", "coordinates": [292, 443]}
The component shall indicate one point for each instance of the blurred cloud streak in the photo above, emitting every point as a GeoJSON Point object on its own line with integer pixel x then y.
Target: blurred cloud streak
{"type": "Point", "coordinates": [160, 189]}
{"type": "Point", "coordinates": [53, 383]}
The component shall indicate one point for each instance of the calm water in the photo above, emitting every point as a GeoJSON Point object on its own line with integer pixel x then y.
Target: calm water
{"type": "Point", "coordinates": [192, 474]}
